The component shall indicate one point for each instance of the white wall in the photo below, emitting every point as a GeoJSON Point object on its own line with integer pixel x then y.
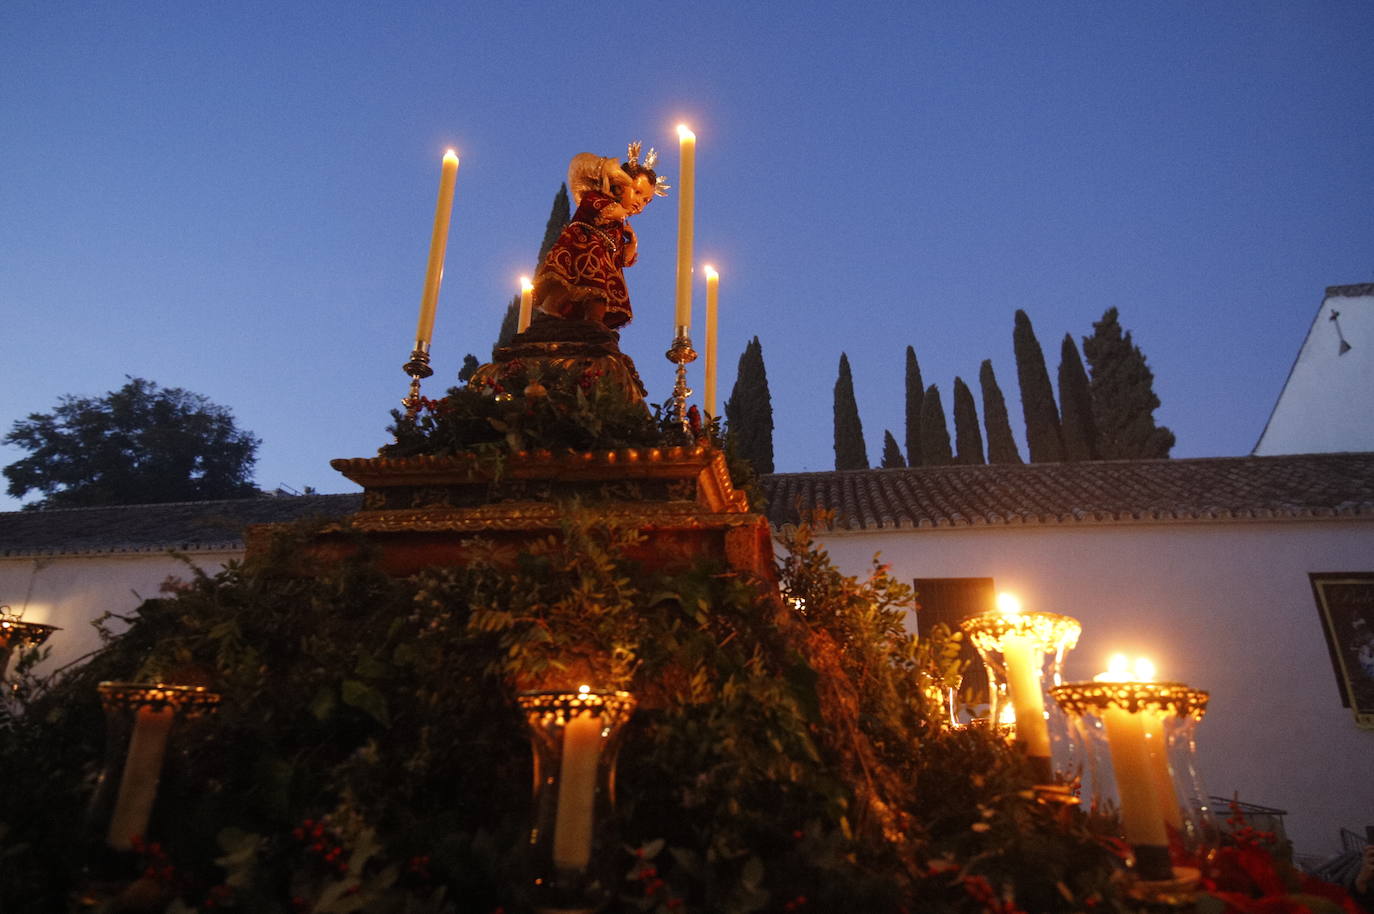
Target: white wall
{"type": "Point", "coordinates": [70, 591]}
{"type": "Point", "coordinates": [1325, 405]}
{"type": "Point", "coordinates": [1225, 607]}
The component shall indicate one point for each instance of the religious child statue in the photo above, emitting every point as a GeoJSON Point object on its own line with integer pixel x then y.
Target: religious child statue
{"type": "Point", "coordinates": [582, 278]}
{"type": "Point", "coordinates": [580, 300]}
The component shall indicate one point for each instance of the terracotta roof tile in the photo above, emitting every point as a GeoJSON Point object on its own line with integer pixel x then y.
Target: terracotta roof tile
{"type": "Point", "coordinates": [194, 526]}
{"type": "Point", "coordinates": [1118, 491]}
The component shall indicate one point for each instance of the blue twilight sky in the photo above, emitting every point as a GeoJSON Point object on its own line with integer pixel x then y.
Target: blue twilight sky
{"type": "Point", "coordinates": [236, 198]}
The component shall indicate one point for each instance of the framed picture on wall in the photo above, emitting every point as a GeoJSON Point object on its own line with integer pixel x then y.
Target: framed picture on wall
{"type": "Point", "coordinates": [1346, 605]}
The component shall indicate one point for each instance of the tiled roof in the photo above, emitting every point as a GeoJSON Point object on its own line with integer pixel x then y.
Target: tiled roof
{"type": "Point", "coordinates": [1356, 291]}
{"type": "Point", "coordinates": [193, 526]}
{"type": "Point", "coordinates": [1102, 492]}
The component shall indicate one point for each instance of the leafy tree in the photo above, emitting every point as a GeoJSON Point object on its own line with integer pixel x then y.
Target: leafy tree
{"type": "Point", "coordinates": [892, 455]}
{"type": "Point", "coordinates": [967, 438]}
{"type": "Point", "coordinates": [560, 214]}
{"type": "Point", "coordinates": [1075, 405]}
{"type": "Point", "coordinates": [1001, 444]}
{"type": "Point", "coordinates": [470, 366]}
{"type": "Point", "coordinates": [140, 444]}
{"type": "Point", "coordinates": [1037, 396]}
{"type": "Point", "coordinates": [935, 449]}
{"type": "Point", "coordinates": [915, 390]}
{"type": "Point", "coordinates": [1123, 394]}
{"type": "Point", "coordinates": [749, 410]}
{"type": "Point", "coordinates": [850, 451]}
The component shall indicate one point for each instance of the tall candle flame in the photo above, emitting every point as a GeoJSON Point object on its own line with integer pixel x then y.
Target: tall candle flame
{"type": "Point", "coordinates": [1008, 604]}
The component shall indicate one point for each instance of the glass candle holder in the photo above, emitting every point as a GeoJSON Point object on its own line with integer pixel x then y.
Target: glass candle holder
{"type": "Point", "coordinates": [1147, 729]}
{"type": "Point", "coordinates": [575, 737]}
{"type": "Point", "coordinates": [16, 633]}
{"type": "Point", "coordinates": [139, 720]}
{"type": "Point", "coordinates": [1023, 652]}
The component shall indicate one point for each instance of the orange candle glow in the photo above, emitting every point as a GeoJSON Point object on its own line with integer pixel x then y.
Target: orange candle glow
{"type": "Point", "coordinates": [686, 190]}
{"type": "Point", "coordinates": [712, 300]}
{"type": "Point", "coordinates": [526, 304]}
{"type": "Point", "coordinates": [438, 244]}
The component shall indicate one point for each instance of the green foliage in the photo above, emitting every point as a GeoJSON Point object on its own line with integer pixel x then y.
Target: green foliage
{"type": "Point", "coordinates": [1075, 405]}
{"type": "Point", "coordinates": [935, 448]}
{"type": "Point", "coordinates": [850, 451]}
{"type": "Point", "coordinates": [892, 454]}
{"type": "Point", "coordinates": [1123, 396]}
{"type": "Point", "coordinates": [580, 410]}
{"type": "Point", "coordinates": [915, 390]}
{"type": "Point", "coordinates": [140, 444]}
{"type": "Point", "coordinates": [967, 437]}
{"type": "Point", "coordinates": [1001, 444]}
{"type": "Point", "coordinates": [368, 754]}
{"type": "Point", "coordinates": [1043, 437]}
{"type": "Point", "coordinates": [749, 410]}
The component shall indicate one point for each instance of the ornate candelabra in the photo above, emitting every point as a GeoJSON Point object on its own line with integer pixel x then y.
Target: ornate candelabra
{"type": "Point", "coordinates": [1144, 724]}
{"type": "Point", "coordinates": [139, 719]}
{"type": "Point", "coordinates": [418, 369]}
{"type": "Point", "coordinates": [575, 737]}
{"type": "Point", "coordinates": [1014, 646]}
{"type": "Point", "coordinates": [15, 632]}
{"type": "Point", "coordinates": [680, 354]}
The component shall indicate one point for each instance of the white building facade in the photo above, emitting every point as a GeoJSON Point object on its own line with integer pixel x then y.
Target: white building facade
{"type": "Point", "coordinates": [1327, 403]}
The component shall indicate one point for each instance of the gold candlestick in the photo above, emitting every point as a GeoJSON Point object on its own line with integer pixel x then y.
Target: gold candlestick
{"type": "Point", "coordinates": [680, 354]}
{"type": "Point", "coordinates": [418, 369]}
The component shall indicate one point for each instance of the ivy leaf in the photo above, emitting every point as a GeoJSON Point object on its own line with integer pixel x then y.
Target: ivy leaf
{"type": "Point", "coordinates": [362, 696]}
{"type": "Point", "coordinates": [323, 704]}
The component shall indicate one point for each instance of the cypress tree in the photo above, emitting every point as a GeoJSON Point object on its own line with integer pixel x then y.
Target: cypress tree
{"type": "Point", "coordinates": [560, 214]}
{"type": "Point", "coordinates": [1075, 405]}
{"type": "Point", "coordinates": [1001, 444]}
{"type": "Point", "coordinates": [470, 366]}
{"type": "Point", "coordinates": [935, 449]}
{"type": "Point", "coordinates": [892, 455]}
{"type": "Point", "coordinates": [1123, 395]}
{"type": "Point", "coordinates": [509, 321]}
{"type": "Point", "coordinates": [1037, 396]}
{"type": "Point", "coordinates": [749, 410]}
{"type": "Point", "coordinates": [850, 451]}
{"type": "Point", "coordinates": [967, 438]}
{"type": "Point", "coordinates": [915, 390]}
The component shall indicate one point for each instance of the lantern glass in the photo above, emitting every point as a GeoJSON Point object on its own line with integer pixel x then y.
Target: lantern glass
{"type": "Point", "coordinates": [139, 723]}
{"type": "Point", "coordinates": [575, 737]}
{"type": "Point", "coordinates": [1137, 742]}
{"type": "Point", "coordinates": [1044, 639]}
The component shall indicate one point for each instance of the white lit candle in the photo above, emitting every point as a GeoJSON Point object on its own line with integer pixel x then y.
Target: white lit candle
{"type": "Point", "coordinates": [572, 834]}
{"type": "Point", "coordinates": [142, 770]}
{"type": "Point", "coordinates": [686, 188]}
{"type": "Point", "coordinates": [438, 243]}
{"type": "Point", "coordinates": [1136, 774]}
{"type": "Point", "coordinates": [1024, 661]}
{"type": "Point", "coordinates": [526, 304]}
{"type": "Point", "coordinates": [712, 299]}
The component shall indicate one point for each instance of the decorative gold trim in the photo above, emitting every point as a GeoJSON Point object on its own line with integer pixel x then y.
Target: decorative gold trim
{"type": "Point", "coordinates": [190, 701]}
{"type": "Point", "coordinates": [558, 706]}
{"type": "Point", "coordinates": [1094, 697]}
{"type": "Point", "coordinates": [1049, 631]}
{"type": "Point", "coordinates": [14, 631]}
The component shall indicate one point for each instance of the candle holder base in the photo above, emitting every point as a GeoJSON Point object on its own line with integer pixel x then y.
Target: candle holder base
{"type": "Point", "coordinates": [418, 369]}
{"type": "Point", "coordinates": [1178, 892]}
